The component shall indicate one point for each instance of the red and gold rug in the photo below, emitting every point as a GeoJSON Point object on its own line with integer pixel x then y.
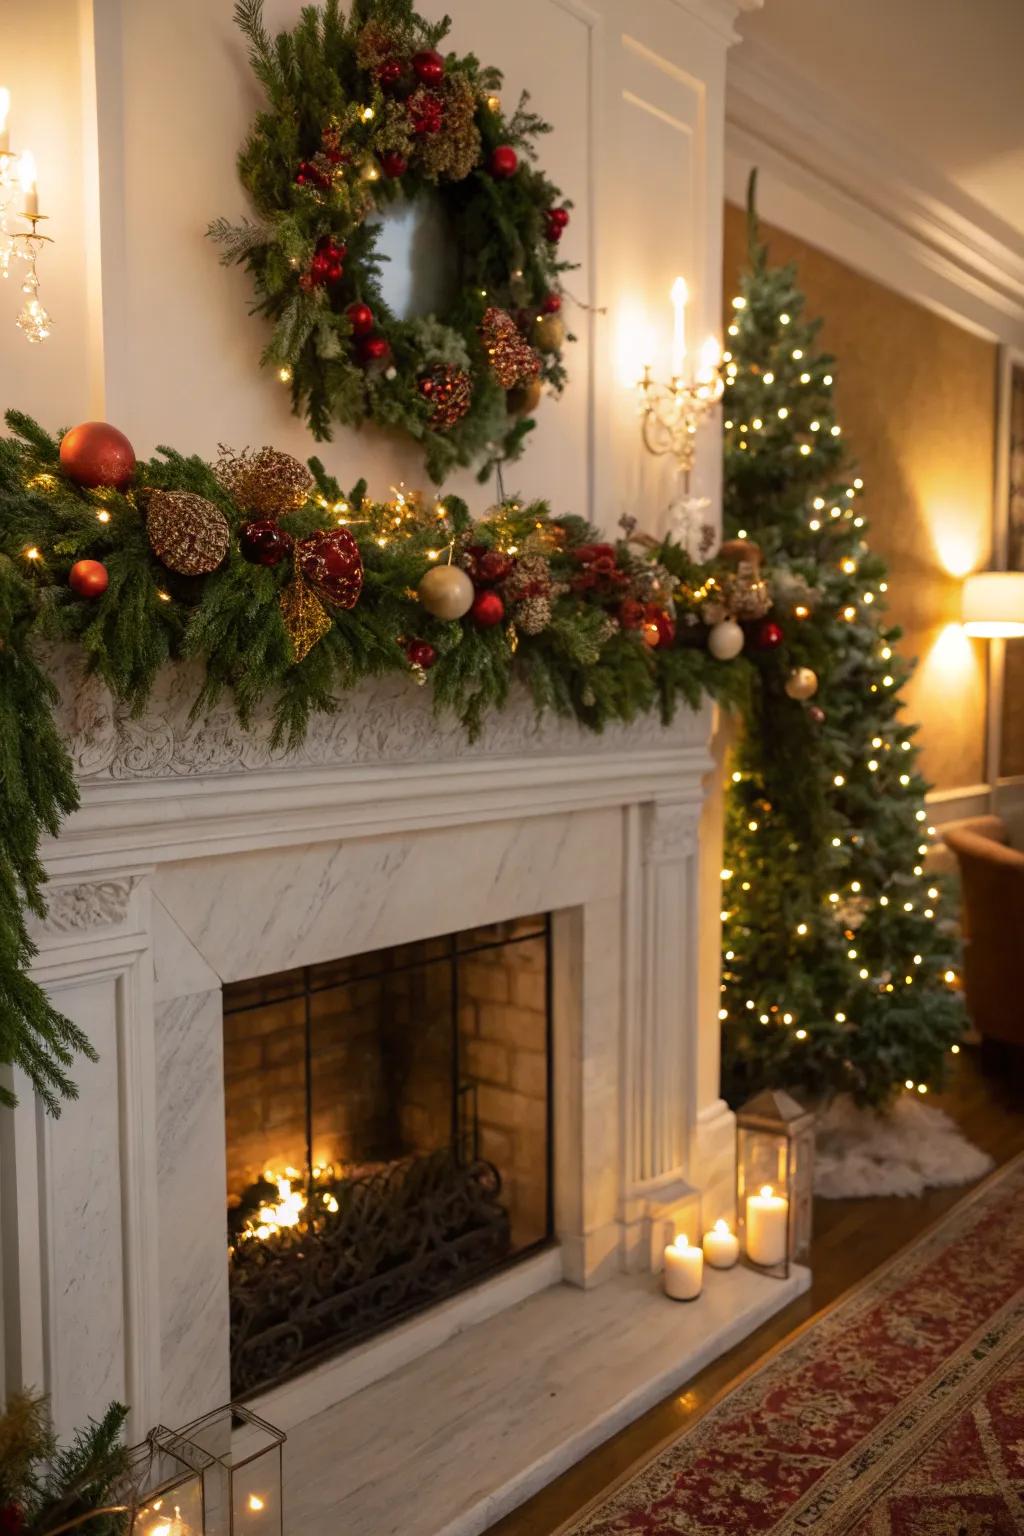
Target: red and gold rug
{"type": "Point", "coordinates": [900, 1412]}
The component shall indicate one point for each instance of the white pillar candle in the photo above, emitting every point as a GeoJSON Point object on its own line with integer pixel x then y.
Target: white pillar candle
{"type": "Point", "coordinates": [5, 132]}
{"type": "Point", "coordinates": [680, 294]}
{"type": "Point", "coordinates": [30, 191]}
{"type": "Point", "coordinates": [684, 1270]}
{"type": "Point", "coordinates": [721, 1247]}
{"type": "Point", "coordinates": [767, 1227]}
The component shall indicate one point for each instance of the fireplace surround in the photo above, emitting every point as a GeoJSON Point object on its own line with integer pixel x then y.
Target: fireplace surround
{"type": "Point", "coordinates": [203, 858]}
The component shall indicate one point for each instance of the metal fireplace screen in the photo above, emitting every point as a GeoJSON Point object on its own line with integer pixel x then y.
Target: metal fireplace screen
{"type": "Point", "coordinates": [388, 1138]}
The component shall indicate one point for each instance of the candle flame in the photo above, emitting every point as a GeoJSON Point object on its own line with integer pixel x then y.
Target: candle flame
{"type": "Point", "coordinates": [255, 1502]}
{"type": "Point", "coordinates": [680, 293]}
{"type": "Point", "coordinates": [682, 1242]}
{"type": "Point", "coordinates": [721, 1226]}
{"type": "Point", "coordinates": [766, 1191]}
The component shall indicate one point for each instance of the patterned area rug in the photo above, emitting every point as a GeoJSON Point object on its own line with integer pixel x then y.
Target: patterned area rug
{"type": "Point", "coordinates": [900, 1412]}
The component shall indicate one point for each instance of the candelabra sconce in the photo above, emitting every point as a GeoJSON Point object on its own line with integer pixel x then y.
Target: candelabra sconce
{"type": "Point", "coordinates": [671, 414]}
{"type": "Point", "coordinates": [33, 320]}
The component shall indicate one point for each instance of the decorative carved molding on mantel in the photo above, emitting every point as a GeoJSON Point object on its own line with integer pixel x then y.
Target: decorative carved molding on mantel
{"type": "Point", "coordinates": [390, 723]}
{"type": "Point", "coordinates": [671, 832]}
{"type": "Point", "coordinates": [91, 906]}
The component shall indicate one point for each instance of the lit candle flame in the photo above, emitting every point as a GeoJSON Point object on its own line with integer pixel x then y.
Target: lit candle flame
{"type": "Point", "coordinates": [766, 1191]}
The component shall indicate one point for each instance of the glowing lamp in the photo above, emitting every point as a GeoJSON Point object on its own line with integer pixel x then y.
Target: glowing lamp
{"type": "Point", "coordinates": [993, 605]}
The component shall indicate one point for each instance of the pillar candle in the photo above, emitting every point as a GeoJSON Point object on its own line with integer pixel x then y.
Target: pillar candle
{"type": "Point", "coordinates": [767, 1227]}
{"type": "Point", "coordinates": [721, 1247]}
{"type": "Point", "coordinates": [684, 1270]}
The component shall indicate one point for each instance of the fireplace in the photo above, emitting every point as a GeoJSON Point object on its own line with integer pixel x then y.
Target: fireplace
{"type": "Point", "coordinates": [388, 1137]}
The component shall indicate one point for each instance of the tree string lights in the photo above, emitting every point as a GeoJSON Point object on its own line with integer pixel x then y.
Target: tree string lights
{"type": "Point", "coordinates": [839, 961]}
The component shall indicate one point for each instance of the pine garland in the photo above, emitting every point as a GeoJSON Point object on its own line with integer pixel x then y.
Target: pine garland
{"type": "Point", "coordinates": [48, 1488]}
{"type": "Point", "coordinates": [585, 662]}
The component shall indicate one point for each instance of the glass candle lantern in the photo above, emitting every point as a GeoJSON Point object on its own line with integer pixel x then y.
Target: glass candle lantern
{"type": "Point", "coordinates": [164, 1492]}
{"type": "Point", "coordinates": [243, 1463]}
{"type": "Point", "coordinates": [774, 1181]}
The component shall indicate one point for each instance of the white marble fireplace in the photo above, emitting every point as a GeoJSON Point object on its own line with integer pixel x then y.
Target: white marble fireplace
{"type": "Point", "coordinates": [202, 856]}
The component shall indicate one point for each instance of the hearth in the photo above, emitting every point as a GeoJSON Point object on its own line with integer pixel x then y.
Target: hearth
{"type": "Point", "coordinates": [388, 1138]}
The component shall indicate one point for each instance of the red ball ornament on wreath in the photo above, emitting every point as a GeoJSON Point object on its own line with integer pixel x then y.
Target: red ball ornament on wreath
{"type": "Point", "coordinates": [487, 610]}
{"type": "Point", "coordinates": [332, 565]}
{"type": "Point", "coordinates": [390, 74]}
{"type": "Point", "coordinates": [556, 221]}
{"type": "Point", "coordinates": [88, 578]}
{"type": "Point", "coordinates": [373, 349]}
{"type": "Point", "coordinates": [503, 162]}
{"type": "Point", "coordinates": [393, 164]}
{"type": "Point", "coordinates": [768, 636]}
{"type": "Point", "coordinates": [360, 317]}
{"type": "Point", "coordinates": [428, 66]}
{"type": "Point", "coordinates": [96, 453]}
{"type": "Point", "coordinates": [551, 303]}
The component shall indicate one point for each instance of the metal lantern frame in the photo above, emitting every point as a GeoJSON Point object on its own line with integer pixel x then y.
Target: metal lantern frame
{"type": "Point", "coordinates": [228, 1468]}
{"type": "Point", "coordinates": [774, 1115]}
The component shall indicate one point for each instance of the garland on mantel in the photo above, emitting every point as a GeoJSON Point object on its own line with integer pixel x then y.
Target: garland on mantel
{"type": "Point", "coordinates": [288, 590]}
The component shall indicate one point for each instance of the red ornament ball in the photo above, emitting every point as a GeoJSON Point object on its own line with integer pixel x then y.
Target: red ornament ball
{"type": "Point", "coordinates": [96, 453]}
{"type": "Point", "coordinates": [816, 713]}
{"type": "Point", "coordinates": [361, 319]}
{"type": "Point", "coordinates": [12, 1520]}
{"type": "Point", "coordinates": [428, 66]}
{"type": "Point", "coordinates": [88, 578]}
{"type": "Point", "coordinates": [263, 542]}
{"type": "Point", "coordinates": [487, 610]}
{"type": "Point", "coordinates": [373, 349]}
{"type": "Point", "coordinates": [390, 74]}
{"type": "Point", "coordinates": [559, 216]}
{"type": "Point", "coordinates": [393, 164]}
{"type": "Point", "coordinates": [503, 162]}
{"type": "Point", "coordinates": [332, 565]}
{"type": "Point", "coordinates": [769, 635]}
{"type": "Point", "coordinates": [551, 303]}
{"type": "Point", "coordinates": [493, 566]}
{"type": "Point", "coordinates": [420, 653]}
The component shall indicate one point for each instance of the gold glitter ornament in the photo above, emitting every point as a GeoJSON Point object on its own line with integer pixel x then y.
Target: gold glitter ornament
{"type": "Point", "coordinates": [512, 360]}
{"type": "Point", "coordinates": [304, 615]}
{"type": "Point", "coordinates": [549, 333]}
{"type": "Point", "coordinates": [187, 533]}
{"type": "Point", "coordinates": [264, 481]}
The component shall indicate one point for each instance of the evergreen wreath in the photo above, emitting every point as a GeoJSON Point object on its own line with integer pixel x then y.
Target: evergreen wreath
{"type": "Point", "coordinates": [363, 113]}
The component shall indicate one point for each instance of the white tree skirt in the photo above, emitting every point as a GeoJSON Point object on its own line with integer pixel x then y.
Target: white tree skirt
{"type": "Point", "coordinates": [901, 1151]}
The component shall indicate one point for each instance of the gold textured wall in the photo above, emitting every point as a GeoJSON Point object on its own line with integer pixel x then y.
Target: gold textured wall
{"type": "Point", "coordinates": [916, 397]}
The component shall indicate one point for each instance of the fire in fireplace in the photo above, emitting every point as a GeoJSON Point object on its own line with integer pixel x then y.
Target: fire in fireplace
{"type": "Point", "coordinates": [389, 1140]}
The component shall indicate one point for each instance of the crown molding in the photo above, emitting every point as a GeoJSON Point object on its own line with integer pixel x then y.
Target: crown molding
{"type": "Point", "coordinates": [719, 15]}
{"type": "Point", "coordinates": [772, 107]}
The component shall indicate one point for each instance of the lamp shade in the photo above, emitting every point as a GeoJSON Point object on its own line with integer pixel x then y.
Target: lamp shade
{"type": "Point", "coordinates": [993, 604]}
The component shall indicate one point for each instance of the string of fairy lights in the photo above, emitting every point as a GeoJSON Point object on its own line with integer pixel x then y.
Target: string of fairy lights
{"type": "Point", "coordinates": [861, 604]}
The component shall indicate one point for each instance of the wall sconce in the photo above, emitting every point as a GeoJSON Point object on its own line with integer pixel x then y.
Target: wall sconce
{"type": "Point", "coordinates": [33, 321]}
{"type": "Point", "coordinates": [993, 605]}
{"type": "Point", "coordinates": [671, 413]}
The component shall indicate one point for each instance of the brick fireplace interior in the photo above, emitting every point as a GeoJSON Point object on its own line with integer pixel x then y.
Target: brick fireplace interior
{"type": "Point", "coordinates": [388, 1138]}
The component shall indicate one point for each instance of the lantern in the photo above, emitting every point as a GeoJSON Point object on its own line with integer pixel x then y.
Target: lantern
{"type": "Point", "coordinates": [241, 1456]}
{"type": "Point", "coordinates": [774, 1181]}
{"type": "Point", "coordinates": [164, 1491]}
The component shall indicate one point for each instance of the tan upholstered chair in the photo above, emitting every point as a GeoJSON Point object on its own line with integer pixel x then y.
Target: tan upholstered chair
{"type": "Point", "coordinates": [992, 885]}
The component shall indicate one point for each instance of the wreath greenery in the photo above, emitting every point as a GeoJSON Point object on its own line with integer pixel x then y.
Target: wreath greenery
{"type": "Point", "coordinates": [364, 112]}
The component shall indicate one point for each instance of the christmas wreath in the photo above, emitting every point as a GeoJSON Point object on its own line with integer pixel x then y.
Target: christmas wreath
{"type": "Point", "coordinates": [363, 113]}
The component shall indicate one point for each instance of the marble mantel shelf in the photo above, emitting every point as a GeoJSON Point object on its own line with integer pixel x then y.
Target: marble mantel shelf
{"type": "Point", "coordinates": [159, 784]}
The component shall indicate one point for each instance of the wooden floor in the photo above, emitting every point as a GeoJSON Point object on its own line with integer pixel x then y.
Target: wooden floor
{"type": "Point", "coordinates": [852, 1237]}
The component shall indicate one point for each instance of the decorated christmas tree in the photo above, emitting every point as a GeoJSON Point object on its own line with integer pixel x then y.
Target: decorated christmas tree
{"type": "Point", "coordinates": [839, 967]}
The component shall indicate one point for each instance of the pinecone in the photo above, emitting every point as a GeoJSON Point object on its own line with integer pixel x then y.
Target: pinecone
{"type": "Point", "coordinates": [533, 615]}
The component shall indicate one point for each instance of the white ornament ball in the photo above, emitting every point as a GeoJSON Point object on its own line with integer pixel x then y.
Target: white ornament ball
{"type": "Point", "coordinates": [725, 641]}
{"type": "Point", "coordinates": [446, 592]}
{"type": "Point", "coordinates": [802, 683]}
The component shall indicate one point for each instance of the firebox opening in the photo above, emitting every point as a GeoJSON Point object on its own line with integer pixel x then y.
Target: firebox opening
{"type": "Point", "coordinates": [389, 1141]}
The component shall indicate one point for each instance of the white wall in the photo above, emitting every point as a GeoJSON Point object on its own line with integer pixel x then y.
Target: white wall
{"type": "Point", "coordinates": [138, 108]}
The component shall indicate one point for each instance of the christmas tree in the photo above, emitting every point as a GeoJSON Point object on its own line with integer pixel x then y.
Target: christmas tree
{"type": "Point", "coordinates": [839, 965]}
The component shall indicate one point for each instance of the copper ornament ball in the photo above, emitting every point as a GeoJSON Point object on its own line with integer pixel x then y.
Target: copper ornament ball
{"type": "Point", "coordinates": [446, 592]}
{"type": "Point", "coordinates": [88, 578]}
{"type": "Point", "coordinates": [549, 333]}
{"type": "Point", "coordinates": [524, 398]}
{"type": "Point", "coordinates": [95, 453]}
